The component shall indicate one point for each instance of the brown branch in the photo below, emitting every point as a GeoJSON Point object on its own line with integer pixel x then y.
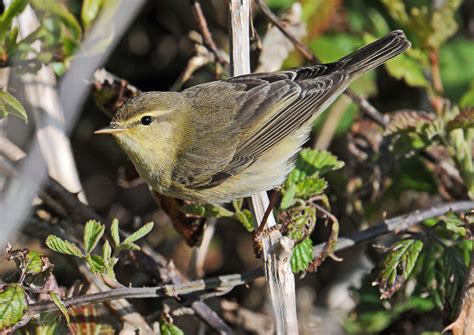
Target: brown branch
{"type": "Point", "coordinates": [206, 34]}
{"type": "Point", "coordinates": [197, 286]}
{"type": "Point", "coordinates": [363, 104]}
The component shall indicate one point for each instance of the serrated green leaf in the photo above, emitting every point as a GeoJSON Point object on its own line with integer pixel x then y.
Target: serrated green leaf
{"type": "Point", "coordinates": [57, 301]}
{"type": "Point", "coordinates": [443, 23]}
{"type": "Point", "coordinates": [13, 306]}
{"type": "Point", "coordinates": [10, 105]}
{"type": "Point", "coordinates": [312, 161]}
{"type": "Point", "coordinates": [65, 247]}
{"type": "Point", "coordinates": [302, 255]}
{"type": "Point", "coordinates": [397, 266]}
{"type": "Point", "coordinates": [89, 11]}
{"type": "Point", "coordinates": [309, 187]}
{"type": "Point", "coordinates": [96, 263]}
{"type": "Point", "coordinates": [168, 328]}
{"type": "Point", "coordinates": [144, 230]}
{"type": "Point", "coordinates": [114, 231]}
{"type": "Point", "coordinates": [300, 222]}
{"type": "Point", "coordinates": [93, 231]}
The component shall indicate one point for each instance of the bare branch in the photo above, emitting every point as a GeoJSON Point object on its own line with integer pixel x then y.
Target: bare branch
{"type": "Point", "coordinates": [206, 34]}
{"type": "Point", "coordinates": [197, 286]}
{"type": "Point", "coordinates": [398, 224]}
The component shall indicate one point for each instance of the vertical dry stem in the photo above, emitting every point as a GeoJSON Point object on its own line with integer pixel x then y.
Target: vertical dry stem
{"type": "Point", "coordinates": [276, 248]}
{"type": "Point", "coordinates": [42, 94]}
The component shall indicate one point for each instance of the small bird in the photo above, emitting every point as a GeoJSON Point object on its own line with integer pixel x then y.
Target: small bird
{"type": "Point", "coordinates": [229, 139]}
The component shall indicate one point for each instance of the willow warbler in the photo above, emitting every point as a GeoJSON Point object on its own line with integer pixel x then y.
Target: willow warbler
{"type": "Point", "coordinates": [232, 138]}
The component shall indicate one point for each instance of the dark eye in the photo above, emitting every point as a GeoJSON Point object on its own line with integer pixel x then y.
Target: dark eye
{"type": "Point", "coordinates": [146, 120]}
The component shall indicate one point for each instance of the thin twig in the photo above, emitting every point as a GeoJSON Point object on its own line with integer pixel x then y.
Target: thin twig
{"type": "Point", "coordinates": [267, 12]}
{"type": "Point", "coordinates": [398, 224]}
{"type": "Point", "coordinates": [196, 286]}
{"type": "Point", "coordinates": [206, 34]}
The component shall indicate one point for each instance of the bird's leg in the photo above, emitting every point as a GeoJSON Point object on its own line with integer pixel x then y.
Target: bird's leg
{"type": "Point", "coordinates": [261, 230]}
{"type": "Point", "coordinates": [271, 205]}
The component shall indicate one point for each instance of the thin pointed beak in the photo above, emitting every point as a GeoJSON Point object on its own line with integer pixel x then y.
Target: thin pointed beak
{"type": "Point", "coordinates": [108, 130]}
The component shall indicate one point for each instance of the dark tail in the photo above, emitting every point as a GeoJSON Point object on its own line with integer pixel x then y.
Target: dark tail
{"type": "Point", "coordinates": [375, 53]}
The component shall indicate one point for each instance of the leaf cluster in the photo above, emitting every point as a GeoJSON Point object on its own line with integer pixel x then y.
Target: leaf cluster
{"type": "Point", "coordinates": [93, 231]}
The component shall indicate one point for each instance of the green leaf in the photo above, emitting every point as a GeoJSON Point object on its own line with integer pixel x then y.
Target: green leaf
{"type": "Point", "coordinates": [312, 161]}
{"type": "Point", "coordinates": [397, 266]}
{"type": "Point", "coordinates": [457, 66]}
{"type": "Point", "coordinates": [455, 225]}
{"type": "Point", "coordinates": [300, 222]}
{"type": "Point", "coordinates": [96, 263]}
{"type": "Point", "coordinates": [65, 247]}
{"type": "Point", "coordinates": [58, 9]}
{"type": "Point", "coordinates": [302, 255]}
{"type": "Point", "coordinates": [13, 306]}
{"type": "Point", "coordinates": [443, 23]}
{"type": "Point", "coordinates": [14, 9]}
{"type": "Point", "coordinates": [288, 198]}
{"type": "Point", "coordinates": [93, 231]}
{"type": "Point", "coordinates": [114, 231]}
{"type": "Point", "coordinates": [109, 261]}
{"type": "Point", "coordinates": [206, 211]}
{"type": "Point", "coordinates": [309, 187]}
{"type": "Point", "coordinates": [10, 105]}
{"type": "Point", "coordinates": [168, 328]}
{"type": "Point", "coordinates": [129, 246]}
{"type": "Point", "coordinates": [246, 218]}
{"type": "Point", "coordinates": [89, 11]}
{"type": "Point", "coordinates": [467, 100]}
{"type": "Point", "coordinates": [403, 67]}
{"type": "Point", "coordinates": [106, 251]}
{"type": "Point", "coordinates": [139, 233]}
{"type": "Point", "coordinates": [57, 301]}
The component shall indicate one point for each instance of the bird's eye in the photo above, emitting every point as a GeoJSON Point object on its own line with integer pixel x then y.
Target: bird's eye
{"type": "Point", "coordinates": [146, 120]}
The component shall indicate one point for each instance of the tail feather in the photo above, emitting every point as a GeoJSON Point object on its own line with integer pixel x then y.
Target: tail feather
{"type": "Point", "coordinates": [375, 53]}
